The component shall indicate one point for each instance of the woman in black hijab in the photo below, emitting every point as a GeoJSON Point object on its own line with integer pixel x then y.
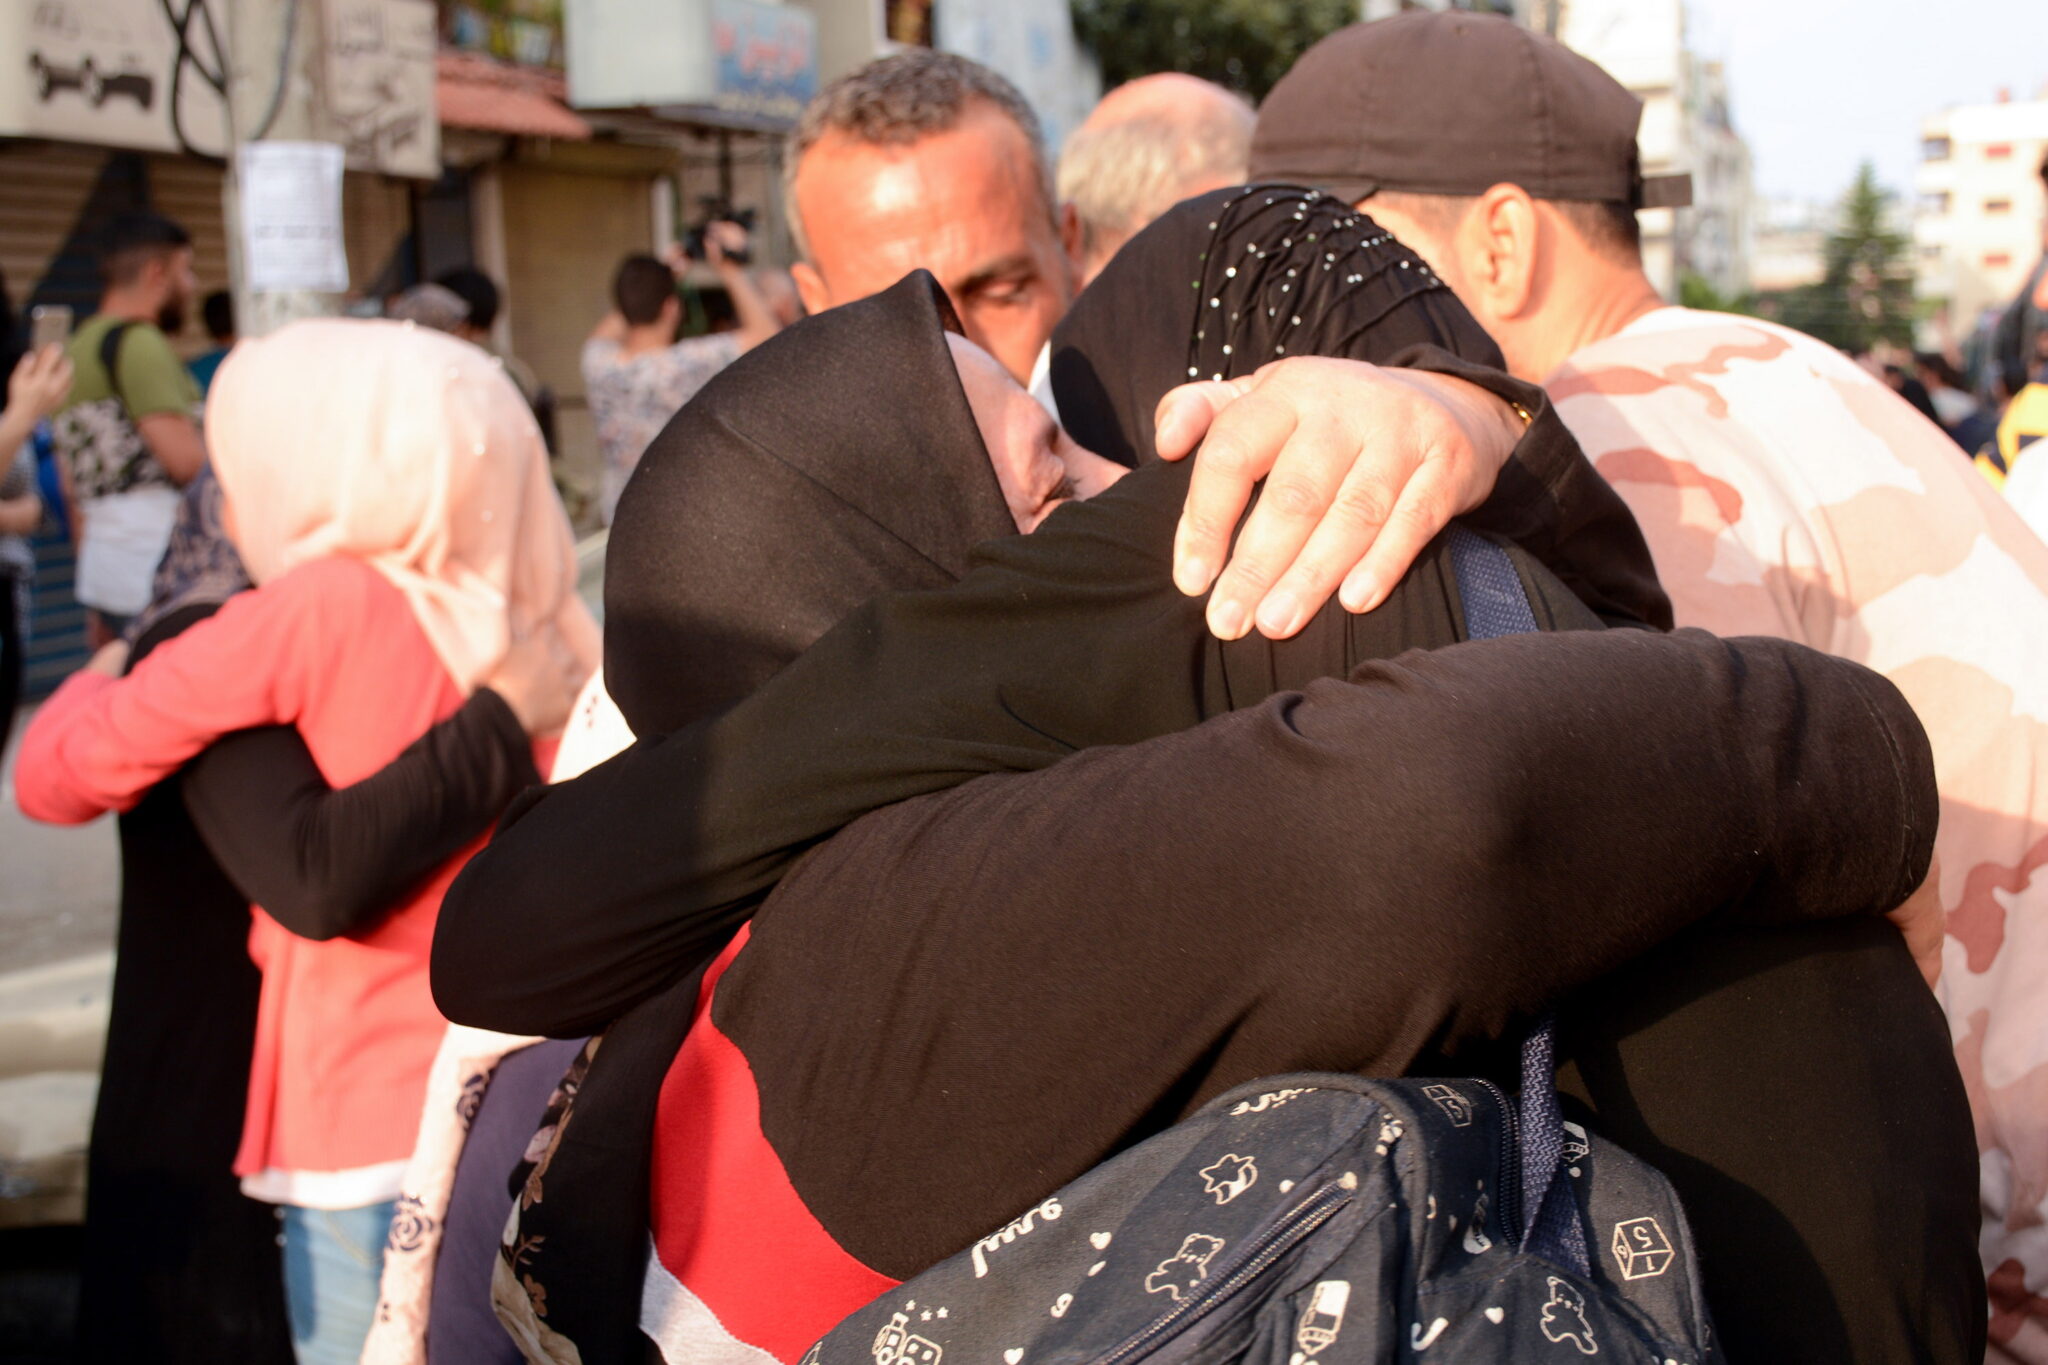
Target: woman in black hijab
{"type": "Point", "coordinates": [761, 788]}
{"type": "Point", "coordinates": [1016, 603]}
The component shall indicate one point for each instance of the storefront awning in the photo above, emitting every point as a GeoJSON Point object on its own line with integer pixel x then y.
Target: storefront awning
{"type": "Point", "coordinates": [488, 96]}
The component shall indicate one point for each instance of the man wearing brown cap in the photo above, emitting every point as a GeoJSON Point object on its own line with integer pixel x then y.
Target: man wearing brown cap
{"type": "Point", "coordinates": [1783, 492]}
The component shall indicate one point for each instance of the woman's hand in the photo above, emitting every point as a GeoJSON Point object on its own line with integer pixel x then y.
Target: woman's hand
{"type": "Point", "coordinates": [111, 659]}
{"type": "Point", "coordinates": [1925, 924]}
{"type": "Point", "coordinates": [39, 383]}
{"type": "Point", "coordinates": [538, 678]}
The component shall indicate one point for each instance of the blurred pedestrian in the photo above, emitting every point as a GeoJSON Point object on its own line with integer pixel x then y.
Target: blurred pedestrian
{"type": "Point", "coordinates": [429, 305]}
{"type": "Point", "coordinates": [217, 312]}
{"type": "Point", "coordinates": [128, 436]}
{"type": "Point", "coordinates": [1783, 492]}
{"type": "Point", "coordinates": [36, 385]}
{"type": "Point", "coordinates": [637, 373]}
{"type": "Point", "coordinates": [926, 160]}
{"type": "Point", "coordinates": [178, 1263]}
{"type": "Point", "coordinates": [1955, 407]}
{"type": "Point", "coordinates": [2017, 449]}
{"type": "Point", "coordinates": [387, 490]}
{"type": "Point", "coordinates": [1908, 386]}
{"type": "Point", "coordinates": [1148, 144]}
{"type": "Point", "coordinates": [482, 300]}
{"type": "Point", "coordinates": [2019, 346]}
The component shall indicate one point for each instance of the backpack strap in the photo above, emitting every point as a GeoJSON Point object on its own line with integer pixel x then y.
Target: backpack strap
{"type": "Point", "coordinates": [110, 359]}
{"type": "Point", "coordinates": [1496, 604]}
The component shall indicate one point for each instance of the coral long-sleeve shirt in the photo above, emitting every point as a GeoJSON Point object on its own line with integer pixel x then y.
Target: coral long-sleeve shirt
{"type": "Point", "coordinates": [346, 1028]}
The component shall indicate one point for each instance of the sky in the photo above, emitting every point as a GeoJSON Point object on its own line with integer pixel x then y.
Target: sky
{"type": "Point", "coordinates": [1819, 86]}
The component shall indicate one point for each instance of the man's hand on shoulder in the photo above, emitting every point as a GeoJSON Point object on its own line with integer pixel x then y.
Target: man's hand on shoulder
{"type": "Point", "coordinates": [1363, 466]}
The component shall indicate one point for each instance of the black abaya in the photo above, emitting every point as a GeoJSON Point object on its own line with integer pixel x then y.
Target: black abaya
{"type": "Point", "coordinates": [179, 1265]}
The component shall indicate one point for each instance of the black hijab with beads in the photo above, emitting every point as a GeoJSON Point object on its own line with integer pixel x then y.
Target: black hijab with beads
{"type": "Point", "coordinates": [1228, 281]}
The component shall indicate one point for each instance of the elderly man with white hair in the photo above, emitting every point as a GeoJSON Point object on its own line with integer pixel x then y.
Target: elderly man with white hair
{"type": "Point", "coordinates": [1148, 144]}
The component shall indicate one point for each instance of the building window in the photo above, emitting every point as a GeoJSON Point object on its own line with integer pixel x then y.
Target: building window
{"type": "Point", "coordinates": [1998, 151]}
{"type": "Point", "coordinates": [1997, 260]}
{"type": "Point", "coordinates": [1934, 149]}
{"type": "Point", "coordinates": [1998, 206]}
{"type": "Point", "coordinates": [908, 22]}
{"type": "Point", "coordinates": [1934, 203]}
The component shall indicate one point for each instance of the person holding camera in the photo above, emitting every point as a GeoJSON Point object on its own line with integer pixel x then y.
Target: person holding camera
{"type": "Point", "coordinates": [636, 373]}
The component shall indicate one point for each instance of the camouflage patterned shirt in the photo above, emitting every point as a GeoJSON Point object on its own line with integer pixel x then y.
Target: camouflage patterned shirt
{"type": "Point", "coordinates": [1784, 491]}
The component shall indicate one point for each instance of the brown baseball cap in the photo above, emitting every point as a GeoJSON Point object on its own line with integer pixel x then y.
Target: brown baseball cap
{"type": "Point", "coordinates": [1452, 103]}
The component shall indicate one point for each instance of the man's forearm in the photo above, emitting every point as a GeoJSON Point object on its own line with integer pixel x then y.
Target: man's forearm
{"type": "Point", "coordinates": [17, 424]}
{"type": "Point", "coordinates": [173, 441]}
{"type": "Point", "coordinates": [20, 516]}
{"type": "Point", "coordinates": [757, 320]}
{"type": "Point", "coordinates": [1552, 502]}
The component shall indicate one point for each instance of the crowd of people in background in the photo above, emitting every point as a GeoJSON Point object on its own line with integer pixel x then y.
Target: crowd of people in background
{"type": "Point", "coordinates": [1035, 697]}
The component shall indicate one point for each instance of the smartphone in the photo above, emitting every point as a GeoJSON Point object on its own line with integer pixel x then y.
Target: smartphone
{"type": "Point", "coordinates": [49, 325]}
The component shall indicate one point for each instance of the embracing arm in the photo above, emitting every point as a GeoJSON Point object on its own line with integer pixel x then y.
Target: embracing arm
{"type": "Point", "coordinates": [1362, 464]}
{"type": "Point", "coordinates": [1552, 502]}
{"type": "Point", "coordinates": [98, 744]}
{"type": "Point", "coordinates": [326, 862]}
{"type": "Point", "coordinates": [1774, 746]}
{"type": "Point", "coordinates": [1340, 879]}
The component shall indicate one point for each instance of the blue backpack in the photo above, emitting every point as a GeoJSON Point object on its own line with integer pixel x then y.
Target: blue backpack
{"type": "Point", "coordinates": [1325, 1218]}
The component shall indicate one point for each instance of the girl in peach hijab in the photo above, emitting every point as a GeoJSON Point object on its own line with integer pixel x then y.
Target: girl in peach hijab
{"type": "Point", "coordinates": [388, 492]}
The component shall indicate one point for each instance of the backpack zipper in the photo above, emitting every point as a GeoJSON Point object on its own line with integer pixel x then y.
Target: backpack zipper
{"type": "Point", "coordinates": [1507, 1167]}
{"type": "Point", "coordinates": [1312, 1214]}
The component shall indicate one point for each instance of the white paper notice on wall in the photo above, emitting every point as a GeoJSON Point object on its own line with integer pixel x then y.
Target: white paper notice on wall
{"type": "Point", "coordinates": [291, 216]}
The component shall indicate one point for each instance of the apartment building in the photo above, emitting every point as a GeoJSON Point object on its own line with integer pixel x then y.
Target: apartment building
{"type": "Point", "coordinates": [1979, 209]}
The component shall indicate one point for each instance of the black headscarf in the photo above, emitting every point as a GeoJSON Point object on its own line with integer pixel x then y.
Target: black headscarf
{"type": "Point", "coordinates": [1233, 279]}
{"type": "Point", "coordinates": [769, 507]}
{"type": "Point", "coordinates": [837, 461]}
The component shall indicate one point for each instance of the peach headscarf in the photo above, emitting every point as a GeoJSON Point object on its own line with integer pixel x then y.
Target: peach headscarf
{"type": "Point", "coordinates": [411, 451]}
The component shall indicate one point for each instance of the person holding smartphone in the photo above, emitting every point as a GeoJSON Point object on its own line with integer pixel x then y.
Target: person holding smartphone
{"type": "Point", "coordinates": [636, 374]}
{"type": "Point", "coordinates": [36, 384]}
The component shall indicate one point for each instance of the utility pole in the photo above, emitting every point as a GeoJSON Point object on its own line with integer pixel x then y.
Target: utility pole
{"type": "Point", "coordinates": [274, 93]}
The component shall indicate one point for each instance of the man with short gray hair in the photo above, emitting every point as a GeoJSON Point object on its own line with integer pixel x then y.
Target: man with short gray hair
{"type": "Point", "coordinates": [928, 160]}
{"type": "Point", "coordinates": [1148, 144]}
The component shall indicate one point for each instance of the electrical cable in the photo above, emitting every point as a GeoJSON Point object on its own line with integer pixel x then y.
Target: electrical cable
{"type": "Point", "coordinates": [216, 75]}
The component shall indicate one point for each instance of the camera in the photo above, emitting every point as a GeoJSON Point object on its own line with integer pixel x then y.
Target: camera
{"type": "Point", "coordinates": [718, 209]}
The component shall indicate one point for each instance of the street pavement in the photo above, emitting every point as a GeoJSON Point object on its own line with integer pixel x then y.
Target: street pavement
{"type": "Point", "coordinates": [59, 891]}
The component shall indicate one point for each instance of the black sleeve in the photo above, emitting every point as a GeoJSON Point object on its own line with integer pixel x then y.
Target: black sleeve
{"type": "Point", "coordinates": [1341, 878]}
{"type": "Point", "coordinates": [1552, 502]}
{"type": "Point", "coordinates": [325, 863]}
{"type": "Point", "coordinates": [705, 843]}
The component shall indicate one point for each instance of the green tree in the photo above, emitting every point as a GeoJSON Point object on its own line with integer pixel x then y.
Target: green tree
{"type": "Point", "coordinates": [1244, 44]}
{"type": "Point", "coordinates": [1697, 291]}
{"type": "Point", "coordinates": [1865, 294]}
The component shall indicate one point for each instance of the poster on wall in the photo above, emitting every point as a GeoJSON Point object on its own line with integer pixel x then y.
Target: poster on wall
{"type": "Point", "coordinates": [380, 84]}
{"type": "Point", "coordinates": [291, 216]}
{"type": "Point", "coordinates": [119, 73]}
